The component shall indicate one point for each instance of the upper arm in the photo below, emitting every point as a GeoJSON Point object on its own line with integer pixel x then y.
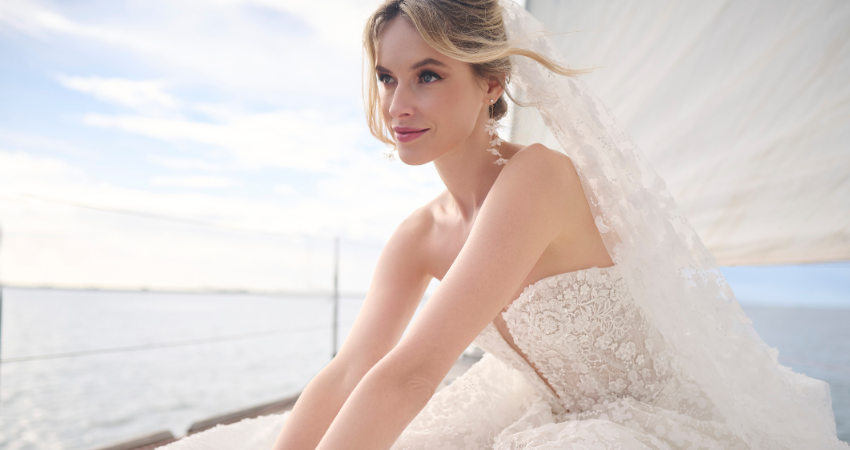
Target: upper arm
{"type": "Point", "coordinates": [525, 210]}
{"type": "Point", "coordinates": [396, 289]}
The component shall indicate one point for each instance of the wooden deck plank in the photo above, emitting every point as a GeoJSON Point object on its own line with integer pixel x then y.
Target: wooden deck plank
{"type": "Point", "coordinates": [275, 407]}
{"type": "Point", "coordinates": [148, 441]}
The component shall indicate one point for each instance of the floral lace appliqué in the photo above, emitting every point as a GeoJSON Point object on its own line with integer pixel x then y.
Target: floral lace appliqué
{"type": "Point", "coordinates": [583, 333]}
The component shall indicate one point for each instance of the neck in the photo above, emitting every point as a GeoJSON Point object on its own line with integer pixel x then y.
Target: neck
{"type": "Point", "coordinates": [468, 170]}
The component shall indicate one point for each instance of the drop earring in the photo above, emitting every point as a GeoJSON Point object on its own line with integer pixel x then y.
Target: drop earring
{"type": "Point", "coordinates": [390, 154]}
{"type": "Point", "coordinates": [490, 126]}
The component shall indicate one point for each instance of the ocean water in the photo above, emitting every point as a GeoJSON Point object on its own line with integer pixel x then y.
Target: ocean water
{"type": "Point", "coordinates": [85, 402]}
{"type": "Point", "coordinates": [264, 348]}
{"type": "Point", "coordinates": [815, 342]}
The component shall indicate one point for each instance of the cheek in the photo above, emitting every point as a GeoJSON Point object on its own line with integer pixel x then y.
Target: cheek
{"type": "Point", "coordinates": [455, 112]}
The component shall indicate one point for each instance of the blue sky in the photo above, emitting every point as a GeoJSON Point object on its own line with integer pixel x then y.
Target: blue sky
{"type": "Point", "coordinates": [824, 285]}
{"type": "Point", "coordinates": [243, 114]}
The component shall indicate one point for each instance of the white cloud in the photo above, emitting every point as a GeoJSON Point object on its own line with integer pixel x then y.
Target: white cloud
{"type": "Point", "coordinates": [20, 171]}
{"type": "Point", "coordinates": [185, 41]}
{"type": "Point", "coordinates": [242, 75]}
{"type": "Point", "coordinates": [304, 140]}
{"type": "Point", "coordinates": [192, 181]}
{"type": "Point", "coordinates": [184, 163]}
{"type": "Point", "coordinates": [284, 189]}
{"type": "Point", "coordinates": [338, 22]}
{"type": "Point", "coordinates": [31, 18]}
{"type": "Point", "coordinates": [45, 242]}
{"type": "Point", "coordinates": [135, 94]}
{"type": "Point", "coordinates": [27, 141]}
{"type": "Point", "coordinates": [218, 43]}
{"type": "Point", "coordinates": [61, 244]}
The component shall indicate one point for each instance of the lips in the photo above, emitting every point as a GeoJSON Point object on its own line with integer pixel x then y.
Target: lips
{"type": "Point", "coordinates": [407, 134]}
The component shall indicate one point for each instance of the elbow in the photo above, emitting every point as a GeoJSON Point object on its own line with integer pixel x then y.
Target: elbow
{"type": "Point", "coordinates": [419, 390]}
{"type": "Point", "coordinates": [409, 383]}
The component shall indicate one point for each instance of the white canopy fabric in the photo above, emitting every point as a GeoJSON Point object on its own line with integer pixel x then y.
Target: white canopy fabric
{"type": "Point", "coordinates": [743, 107]}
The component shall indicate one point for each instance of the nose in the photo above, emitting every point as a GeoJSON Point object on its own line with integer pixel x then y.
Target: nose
{"type": "Point", "coordinates": [401, 103]}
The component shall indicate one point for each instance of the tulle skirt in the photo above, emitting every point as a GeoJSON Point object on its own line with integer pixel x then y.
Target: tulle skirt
{"type": "Point", "coordinates": [493, 406]}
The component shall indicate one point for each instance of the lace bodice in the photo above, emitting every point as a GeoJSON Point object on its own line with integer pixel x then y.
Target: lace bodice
{"type": "Point", "coordinates": [583, 333]}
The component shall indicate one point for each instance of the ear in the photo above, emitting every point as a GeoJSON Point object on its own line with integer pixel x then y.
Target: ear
{"type": "Point", "coordinates": [494, 88]}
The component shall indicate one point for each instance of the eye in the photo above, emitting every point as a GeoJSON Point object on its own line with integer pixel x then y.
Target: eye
{"type": "Point", "coordinates": [425, 76]}
{"type": "Point", "coordinates": [384, 78]}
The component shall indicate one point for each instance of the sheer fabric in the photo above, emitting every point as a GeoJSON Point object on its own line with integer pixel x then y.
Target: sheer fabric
{"type": "Point", "coordinates": [673, 279]}
{"type": "Point", "coordinates": [740, 106]}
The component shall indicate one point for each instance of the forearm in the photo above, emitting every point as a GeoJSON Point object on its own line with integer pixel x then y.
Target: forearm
{"type": "Point", "coordinates": [377, 411]}
{"type": "Point", "coordinates": [315, 409]}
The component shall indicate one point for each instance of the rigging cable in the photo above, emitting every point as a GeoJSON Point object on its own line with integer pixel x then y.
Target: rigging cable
{"type": "Point", "coordinates": [187, 342]}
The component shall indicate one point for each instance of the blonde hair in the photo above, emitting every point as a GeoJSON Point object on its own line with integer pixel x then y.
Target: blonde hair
{"type": "Point", "coordinates": [471, 31]}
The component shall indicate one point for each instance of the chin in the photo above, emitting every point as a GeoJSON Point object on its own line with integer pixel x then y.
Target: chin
{"type": "Point", "coordinates": [413, 157]}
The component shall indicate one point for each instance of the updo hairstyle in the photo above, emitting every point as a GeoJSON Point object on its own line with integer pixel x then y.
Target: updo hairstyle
{"type": "Point", "coordinates": [471, 31]}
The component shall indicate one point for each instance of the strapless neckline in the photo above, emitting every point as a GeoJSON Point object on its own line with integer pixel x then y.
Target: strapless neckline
{"type": "Point", "coordinates": [581, 340]}
{"type": "Point", "coordinates": [520, 360]}
{"type": "Point", "coordinates": [533, 286]}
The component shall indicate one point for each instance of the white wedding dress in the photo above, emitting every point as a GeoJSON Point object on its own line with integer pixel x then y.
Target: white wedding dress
{"type": "Point", "coordinates": [651, 353]}
{"type": "Point", "coordinates": [597, 376]}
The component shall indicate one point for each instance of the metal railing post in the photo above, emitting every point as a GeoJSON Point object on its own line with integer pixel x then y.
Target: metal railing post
{"type": "Point", "coordinates": [336, 296]}
{"type": "Point", "coordinates": [1, 302]}
{"type": "Point", "coordinates": [1, 325]}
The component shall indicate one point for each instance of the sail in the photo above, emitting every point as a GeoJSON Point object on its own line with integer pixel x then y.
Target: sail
{"type": "Point", "coordinates": [742, 106]}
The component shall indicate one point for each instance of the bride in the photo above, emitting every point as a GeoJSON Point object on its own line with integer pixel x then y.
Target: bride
{"type": "Point", "coordinates": [605, 321]}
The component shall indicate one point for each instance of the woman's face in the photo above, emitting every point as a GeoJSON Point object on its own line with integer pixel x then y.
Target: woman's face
{"type": "Point", "coordinates": [432, 103]}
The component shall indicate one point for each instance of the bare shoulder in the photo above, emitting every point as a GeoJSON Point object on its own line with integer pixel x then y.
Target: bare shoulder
{"type": "Point", "coordinates": [541, 169]}
{"type": "Point", "coordinates": [414, 229]}
{"type": "Point", "coordinates": [402, 273]}
{"type": "Point", "coordinates": [411, 239]}
{"type": "Point", "coordinates": [536, 155]}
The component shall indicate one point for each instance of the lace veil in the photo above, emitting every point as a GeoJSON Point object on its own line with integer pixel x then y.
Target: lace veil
{"type": "Point", "coordinates": [672, 277]}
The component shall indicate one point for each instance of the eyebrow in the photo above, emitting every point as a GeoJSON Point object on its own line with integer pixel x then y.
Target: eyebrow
{"type": "Point", "coordinates": [424, 62]}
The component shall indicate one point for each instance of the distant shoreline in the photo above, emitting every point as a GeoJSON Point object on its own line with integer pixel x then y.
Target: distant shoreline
{"type": "Point", "coordinates": [146, 290]}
